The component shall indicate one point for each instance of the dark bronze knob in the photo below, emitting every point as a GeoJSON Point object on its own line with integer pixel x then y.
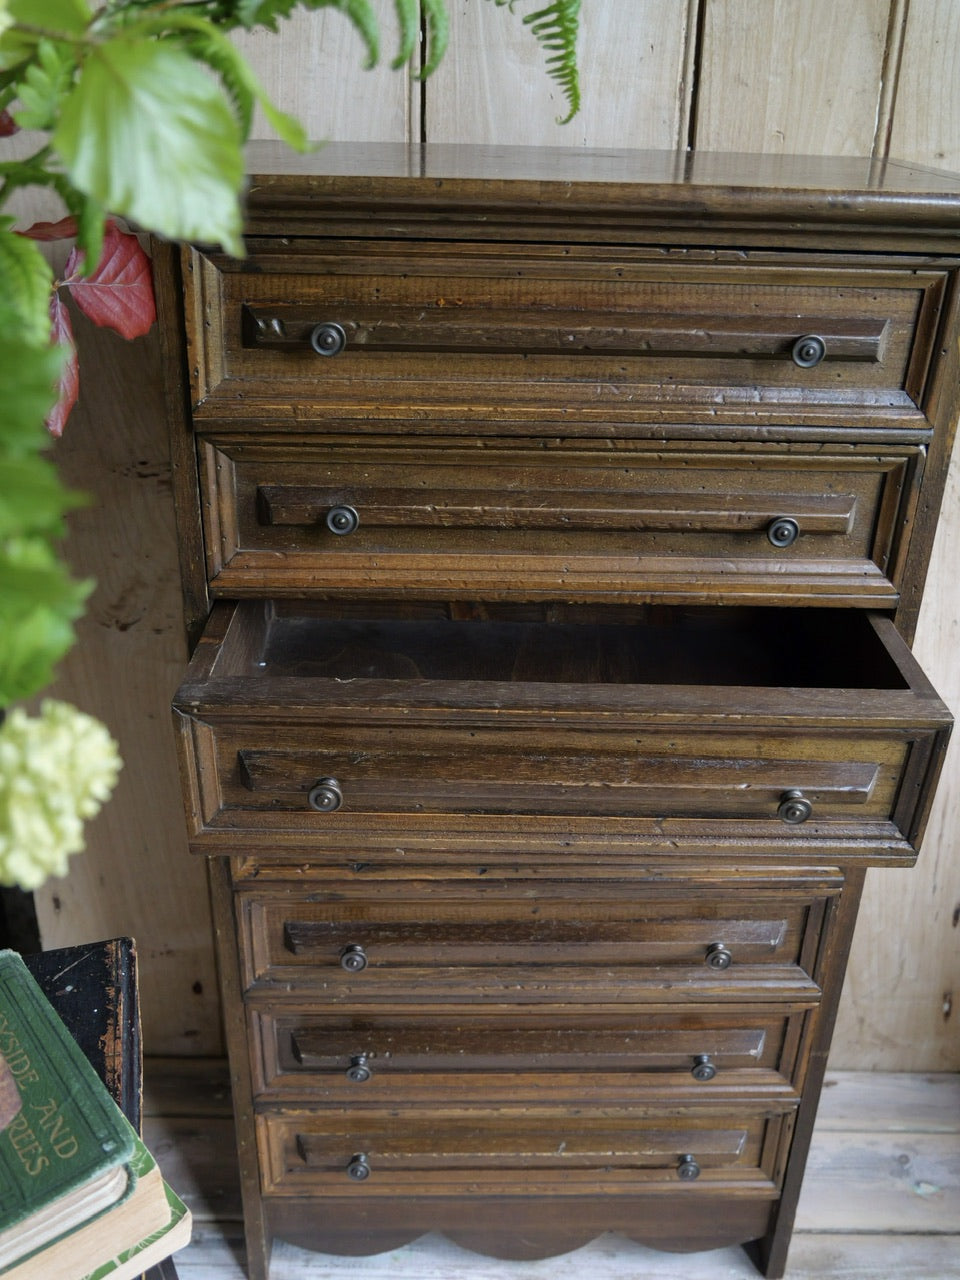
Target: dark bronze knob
{"type": "Point", "coordinates": [342, 520]}
{"type": "Point", "coordinates": [353, 958]}
{"type": "Point", "coordinates": [808, 351]}
{"type": "Point", "coordinates": [703, 1067]}
{"type": "Point", "coordinates": [358, 1071]}
{"type": "Point", "coordinates": [718, 957]}
{"type": "Point", "coordinates": [783, 532]}
{"type": "Point", "coordinates": [359, 1167]}
{"type": "Point", "coordinates": [688, 1169]}
{"type": "Point", "coordinates": [328, 339]}
{"type": "Point", "coordinates": [326, 796]}
{"type": "Point", "coordinates": [794, 808]}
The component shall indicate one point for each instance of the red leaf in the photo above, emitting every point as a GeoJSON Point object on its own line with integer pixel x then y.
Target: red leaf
{"type": "Point", "coordinates": [119, 293]}
{"type": "Point", "coordinates": [65, 229]}
{"type": "Point", "coordinates": [69, 383]}
{"type": "Point", "coordinates": [7, 124]}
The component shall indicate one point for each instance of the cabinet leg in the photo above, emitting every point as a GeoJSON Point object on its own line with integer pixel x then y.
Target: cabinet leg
{"type": "Point", "coordinates": [769, 1253]}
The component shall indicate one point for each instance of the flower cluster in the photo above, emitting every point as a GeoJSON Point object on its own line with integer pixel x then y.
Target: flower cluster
{"type": "Point", "coordinates": [56, 770]}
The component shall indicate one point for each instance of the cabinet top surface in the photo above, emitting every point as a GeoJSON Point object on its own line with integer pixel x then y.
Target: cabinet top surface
{"type": "Point", "coordinates": [703, 183]}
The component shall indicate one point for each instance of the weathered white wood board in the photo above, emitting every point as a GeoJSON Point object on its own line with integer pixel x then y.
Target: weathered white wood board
{"type": "Point", "coordinates": [797, 78]}
{"type": "Point", "coordinates": [493, 88]}
{"type": "Point", "coordinates": [901, 1004]}
{"type": "Point", "coordinates": [314, 68]}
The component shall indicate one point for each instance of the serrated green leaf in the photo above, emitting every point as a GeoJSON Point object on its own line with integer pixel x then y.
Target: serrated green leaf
{"type": "Point", "coordinates": [38, 604]}
{"type": "Point", "coordinates": [25, 284]}
{"type": "Point", "coordinates": [408, 20]}
{"type": "Point", "coordinates": [147, 134]}
{"type": "Point", "coordinates": [32, 498]}
{"type": "Point", "coordinates": [63, 17]}
{"type": "Point", "coordinates": [68, 16]}
{"type": "Point", "coordinates": [438, 34]}
{"type": "Point", "coordinates": [28, 376]}
{"type": "Point", "coordinates": [43, 87]}
{"type": "Point", "coordinates": [361, 14]}
{"type": "Point", "coordinates": [210, 46]}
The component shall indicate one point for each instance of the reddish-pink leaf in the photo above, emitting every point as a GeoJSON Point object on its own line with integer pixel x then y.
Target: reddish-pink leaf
{"type": "Point", "coordinates": [7, 124]}
{"type": "Point", "coordinates": [119, 293]}
{"type": "Point", "coordinates": [69, 383]}
{"type": "Point", "coordinates": [65, 229]}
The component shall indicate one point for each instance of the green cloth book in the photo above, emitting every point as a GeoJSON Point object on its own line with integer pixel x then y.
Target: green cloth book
{"type": "Point", "coordinates": [150, 1223]}
{"type": "Point", "coordinates": [65, 1155]}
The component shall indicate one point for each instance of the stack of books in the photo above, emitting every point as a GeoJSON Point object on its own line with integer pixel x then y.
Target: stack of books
{"type": "Point", "coordinates": [81, 1197]}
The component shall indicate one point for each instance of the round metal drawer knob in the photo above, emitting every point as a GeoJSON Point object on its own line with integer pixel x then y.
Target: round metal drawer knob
{"type": "Point", "coordinates": [688, 1169]}
{"type": "Point", "coordinates": [718, 956]}
{"type": "Point", "coordinates": [326, 796]}
{"type": "Point", "coordinates": [704, 1068]}
{"type": "Point", "coordinates": [783, 532]}
{"type": "Point", "coordinates": [342, 520]}
{"type": "Point", "coordinates": [794, 808]}
{"type": "Point", "coordinates": [808, 351]}
{"type": "Point", "coordinates": [353, 958]}
{"type": "Point", "coordinates": [358, 1071]}
{"type": "Point", "coordinates": [328, 339]}
{"type": "Point", "coordinates": [359, 1168]}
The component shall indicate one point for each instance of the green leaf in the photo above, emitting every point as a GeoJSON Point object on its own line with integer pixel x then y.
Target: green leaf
{"type": "Point", "coordinates": [65, 18]}
{"type": "Point", "coordinates": [28, 376]}
{"type": "Point", "coordinates": [32, 498]}
{"type": "Point", "coordinates": [263, 13]}
{"type": "Point", "coordinates": [38, 604]}
{"type": "Point", "coordinates": [408, 19]}
{"type": "Point", "coordinates": [148, 135]}
{"type": "Point", "coordinates": [438, 34]}
{"type": "Point", "coordinates": [25, 284]}
{"type": "Point", "coordinates": [210, 46]}
{"type": "Point", "coordinates": [556, 27]}
{"type": "Point", "coordinates": [70, 17]}
{"type": "Point", "coordinates": [45, 84]}
{"type": "Point", "coordinates": [361, 14]}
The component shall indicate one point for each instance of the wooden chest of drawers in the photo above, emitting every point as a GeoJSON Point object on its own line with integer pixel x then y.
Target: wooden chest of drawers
{"type": "Point", "coordinates": [556, 525]}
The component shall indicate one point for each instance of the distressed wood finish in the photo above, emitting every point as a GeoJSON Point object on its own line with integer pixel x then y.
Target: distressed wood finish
{"type": "Point", "coordinates": [538, 794]}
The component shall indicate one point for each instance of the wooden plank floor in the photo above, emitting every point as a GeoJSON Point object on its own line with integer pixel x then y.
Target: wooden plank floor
{"type": "Point", "coordinates": [881, 1200]}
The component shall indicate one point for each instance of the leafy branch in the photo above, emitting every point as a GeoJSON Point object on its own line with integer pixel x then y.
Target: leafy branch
{"type": "Point", "coordinates": [142, 108]}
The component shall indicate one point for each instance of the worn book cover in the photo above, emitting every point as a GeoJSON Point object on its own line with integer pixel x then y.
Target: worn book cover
{"type": "Point", "coordinates": [97, 1244]}
{"type": "Point", "coordinates": [64, 1156]}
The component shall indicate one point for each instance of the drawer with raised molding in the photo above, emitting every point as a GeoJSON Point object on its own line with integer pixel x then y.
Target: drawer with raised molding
{"type": "Point", "coordinates": [523, 1148]}
{"type": "Point", "coordinates": [776, 731]}
{"type": "Point", "coordinates": [429, 1054]}
{"type": "Point", "coordinates": [528, 519]}
{"type": "Point", "coordinates": [379, 329]}
{"type": "Point", "coordinates": [516, 943]}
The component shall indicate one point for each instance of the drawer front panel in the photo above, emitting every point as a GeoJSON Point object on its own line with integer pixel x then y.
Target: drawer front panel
{"type": "Point", "coordinates": [424, 1055]}
{"type": "Point", "coordinates": [424, 323]}
{"type": "Point", "coordinates": [516, 1150]}
{"type": "Point", "coordinates": [544, 927]}
{"type": "Point", "coordinates": [526, 521]}
{"type": "Point", "coordinates": [483, 771]}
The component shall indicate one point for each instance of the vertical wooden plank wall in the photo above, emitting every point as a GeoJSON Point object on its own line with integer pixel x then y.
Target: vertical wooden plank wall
{"type": "Point", "coordinates": [837, 76]}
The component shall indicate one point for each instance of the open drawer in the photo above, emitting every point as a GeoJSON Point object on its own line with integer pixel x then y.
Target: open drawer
{"type": "Point", "coordinates": [657, 729]}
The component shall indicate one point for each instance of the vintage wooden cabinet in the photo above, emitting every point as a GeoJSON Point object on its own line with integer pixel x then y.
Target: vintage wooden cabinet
{"type": "Point", "coordinates": [556, 524]}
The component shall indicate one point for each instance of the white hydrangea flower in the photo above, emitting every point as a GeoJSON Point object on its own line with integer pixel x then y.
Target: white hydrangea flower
{"type": "Point", "coordinates": [56, 770]}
